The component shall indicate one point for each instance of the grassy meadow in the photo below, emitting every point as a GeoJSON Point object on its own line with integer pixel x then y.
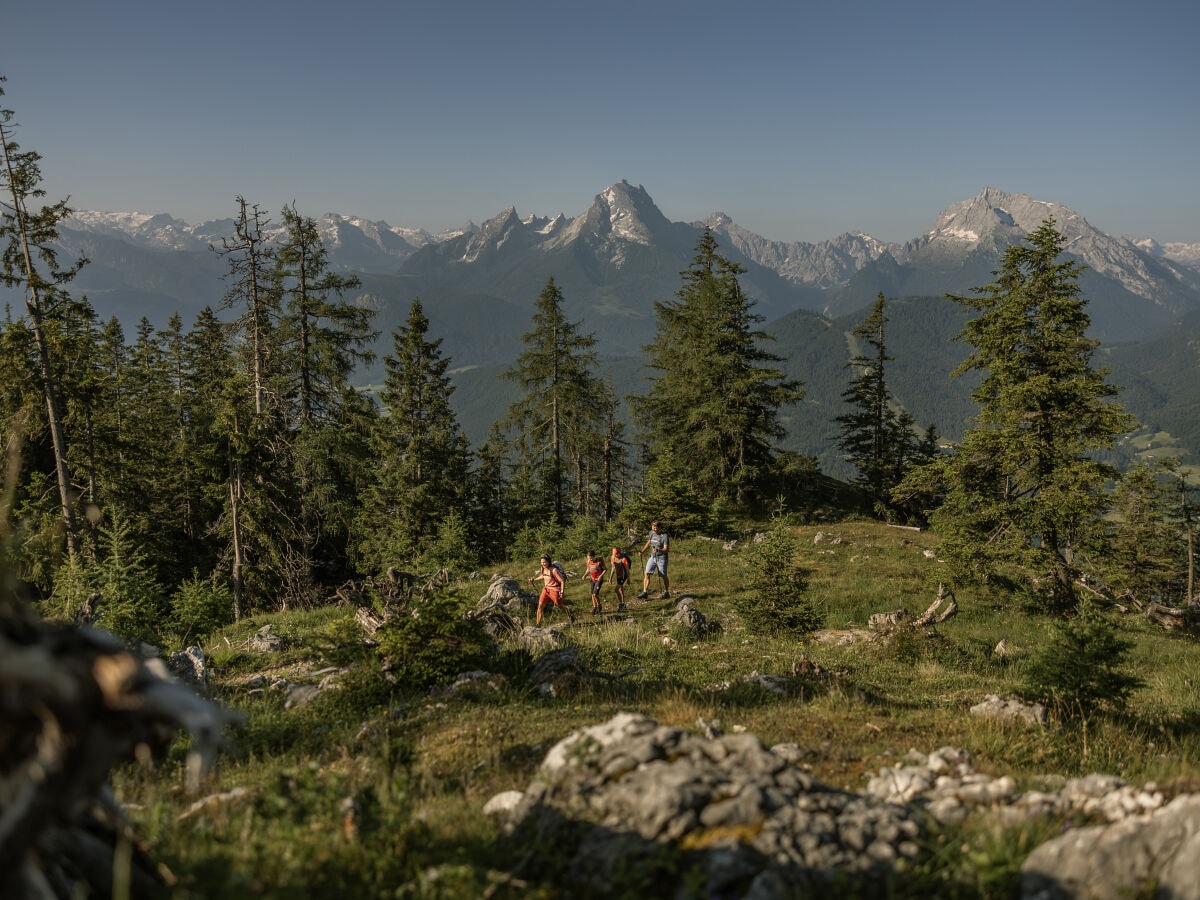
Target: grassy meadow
{"type": "Point", "coordinates": [376, 790]}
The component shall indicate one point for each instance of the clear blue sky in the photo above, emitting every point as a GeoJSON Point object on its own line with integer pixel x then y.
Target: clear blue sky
{"type": "Point", "coordinates": [801, 120]}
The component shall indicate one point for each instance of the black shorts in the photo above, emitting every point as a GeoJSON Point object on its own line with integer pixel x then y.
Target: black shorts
{"type": "Point", "coordinates": [596, 586]}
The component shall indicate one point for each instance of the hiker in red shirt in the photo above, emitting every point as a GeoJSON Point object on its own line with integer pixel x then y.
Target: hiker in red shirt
{"type": "Point", "coordinates": [552, 590]}
{"type": "Point", "coordinates": [620, 564]}
{"type": "Point", "coordinates": [595, 571]}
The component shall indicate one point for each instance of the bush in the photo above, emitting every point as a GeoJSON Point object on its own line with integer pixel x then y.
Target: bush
{"type": "Point", "coordinates": [778, 604]}
{"type": "Point", "coordinates": [1077, 671]}
{"type": "Point", "coordinates": [431, 643]}
{"type": "Point", "coordinates": [200, 606]}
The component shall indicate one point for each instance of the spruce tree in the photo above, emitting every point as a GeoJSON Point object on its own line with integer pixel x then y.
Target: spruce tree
{"type": "Point", "coordinates": [878, 439]}
{"type": "Point", "coordinates": [422, 460]}
{"type": "Point", "coordinates": [715, 394]}
{"type": "Point", "coordinates": [562, 410]}
{"type": "Point", "coordinates": [1024, 489]}
{"type": "Point", "coordinates": [29, 260]}
{"type": "Point", "coordinates": [1143, 555]}
{"type": "Point", "coordinates": [322, 335]}
{"type": "Point", "coordinates": [249, 258]}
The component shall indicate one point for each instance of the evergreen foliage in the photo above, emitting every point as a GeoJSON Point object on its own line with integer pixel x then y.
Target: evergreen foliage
{"type": "Point", "coordinates": [563, 418]}
{"type": "Point", "coordinates": [878, 438]}
{"type": "Point", "coordinates": [1024, 488]}
{"type": "Point", "coordinates": [779, 603]}
{"type": "Point", "coordinates": [714, 396]}
{"type": "Point", "coordinates": [432, 644]}
{"type": "Point", "coordinates": [1144, 556]}
{"type": "Point", "coordinates": [29, 260]}
{"type": "Point", "coordinates": [421, 472]}
{"type": "Point", "coordinates": [1079, 669]}
{"type": "Point", "coordinates": [199, 607]}
{"type": "Point", "coordinates": [236, 454]}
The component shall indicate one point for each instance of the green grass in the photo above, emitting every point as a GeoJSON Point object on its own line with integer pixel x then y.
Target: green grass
{"type": "Point", "coordinates": [375, 791]}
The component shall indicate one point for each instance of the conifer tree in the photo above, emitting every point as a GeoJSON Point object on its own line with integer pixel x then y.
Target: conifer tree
{"type": "Point", "coordinates": [715, 395]}
{"type": "Point", "coordinates": [1142, 556]}
{"type": "Point", "coordinates": [323, 336]}
{"type": "Point", "coordinates": [878, 439]}
{"type": "Point", "coordinates": [250, 258]}
{"type": "Point", "coordinates": [421, 454]}
{"type": "Point", "coordinates": [1024, 488]}
{"type": "Point", "coordinates": [29, 260]}
{"type": "Point", "coordinates": [563, 405]}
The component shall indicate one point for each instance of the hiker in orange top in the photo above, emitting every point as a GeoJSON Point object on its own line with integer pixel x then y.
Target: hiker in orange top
{"type": "Point", "coordinates": [619, 565]}
{"type": "Point", "coordinates": [552, 590]}
{"type": "Point", "coordinates": [595, 571]}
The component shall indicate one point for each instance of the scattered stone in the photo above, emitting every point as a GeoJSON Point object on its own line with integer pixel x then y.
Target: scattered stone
{"type": "Point", "coordinates": [473, 684]}
{"type": "Point", "coordinates": [503, 804]}
{"type": "Point", "coordinates": [265, 640]}
{"type": "Point", "coordinates": [540, 640]}
{"type": "Point", "coordinates": [688, 618]}
{"type": "Point", "coordinates": [190, 667]}
{"type": "Point", "coordinates": [1010, 710]}
{"type": "Point", "coordinates": [557, 673]}
{"type": "Point", "coordinates": [300, 695]}
{"type": "Point", "coordinates": [506, 593]}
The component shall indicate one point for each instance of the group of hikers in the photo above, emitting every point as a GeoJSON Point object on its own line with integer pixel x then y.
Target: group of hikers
{"type": "Point", "coordinates": [553, 577]}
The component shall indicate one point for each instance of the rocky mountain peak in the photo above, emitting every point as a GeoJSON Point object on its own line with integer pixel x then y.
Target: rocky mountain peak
{"type": "Point", "coordinates": [621, 211]}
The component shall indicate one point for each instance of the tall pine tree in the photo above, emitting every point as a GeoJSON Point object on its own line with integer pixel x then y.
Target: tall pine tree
{"type": "Point", "coordinates": [1025, 489]}
{"type": "Point", "coordinates": [715, 395]}
{"type": "Point", "coordinates": [29, 260]}
{"type": "Point", "coordinates": [562, 411]}
{"type": "Point", "coordinates": [422, 460]}
{"type": "Point", "coordinates": [878, 439]}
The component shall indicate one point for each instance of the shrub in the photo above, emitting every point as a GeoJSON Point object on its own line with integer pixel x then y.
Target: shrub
{"type": "Point", "coordinates": [1077, 671]}
{"type": "Point", "coordinates": [431, 643]}
{"type": "Point", "coordinates": [200, 606]}
{"type": "Point", "coordinates": [779, 603]}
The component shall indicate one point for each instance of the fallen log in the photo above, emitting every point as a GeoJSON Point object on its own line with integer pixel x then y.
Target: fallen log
{"type": "Point", "coordinates": [931, 616]}
{"type": "Point", "coordinates": [75, 702]}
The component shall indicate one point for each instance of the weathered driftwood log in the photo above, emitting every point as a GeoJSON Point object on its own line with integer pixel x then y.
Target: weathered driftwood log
{"type": "Point", "coordinates": [369, 621]}
{"type": "Point", "coordinates": [932, 616]}
{"type": "Point", "coordinates": [74, 702]}
{"type": "Point", "coordinates": [1176, 618]}
{"type": "Point", "coordinates": [939, 611]}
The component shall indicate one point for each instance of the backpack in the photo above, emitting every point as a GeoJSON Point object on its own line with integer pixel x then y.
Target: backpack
{"type": "Point", "coordinates": [557, 566]}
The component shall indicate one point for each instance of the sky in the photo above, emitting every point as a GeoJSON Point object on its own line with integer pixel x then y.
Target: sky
{"type": "Point", "coordinates": [800, 119]}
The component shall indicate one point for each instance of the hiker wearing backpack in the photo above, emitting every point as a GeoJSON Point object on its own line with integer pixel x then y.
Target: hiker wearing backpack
{"type": "Point", "coordinates": [658, 544]}
{"type": "Point", "coordinates": [595, 572]}
{"type": "Point", "coordinates": [553, 584]}
{"type": "Point", "coordinates": [620, 564]}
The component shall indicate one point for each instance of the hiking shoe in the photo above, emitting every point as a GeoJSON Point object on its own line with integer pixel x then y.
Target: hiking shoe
{"type": "Point", "coordinates": [643, 595]}
{"type": "Point", "coordinates": [622, 608]}
{"type": "Point", "coordinates": [665, 595]}
{"type": "Point", "coordinates": [595, 610]}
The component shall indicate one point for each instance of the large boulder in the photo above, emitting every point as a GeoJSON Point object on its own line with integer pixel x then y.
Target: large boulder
{"type": "Point", "coordinates": [742, 819]}
{"type": "Point", "coordinates": [1160, 851]}
{"type": "Point", "coordinates": [505, 592]}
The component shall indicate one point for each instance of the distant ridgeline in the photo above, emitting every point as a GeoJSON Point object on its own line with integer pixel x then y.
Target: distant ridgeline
{"type": "Point", "coordinates": [478, 285]}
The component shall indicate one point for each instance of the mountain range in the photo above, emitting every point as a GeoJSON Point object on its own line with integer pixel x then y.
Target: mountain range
{"type": "Point", "coordinates": [478, 285]}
